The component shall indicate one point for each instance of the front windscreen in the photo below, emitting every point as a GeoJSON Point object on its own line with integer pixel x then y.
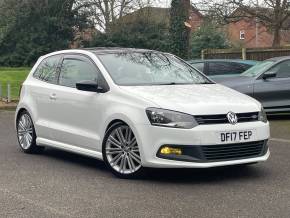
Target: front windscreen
{"type": "Point", "coordinates": [257, 69]}
{"type": "Point", "coordinates": [149, 68]}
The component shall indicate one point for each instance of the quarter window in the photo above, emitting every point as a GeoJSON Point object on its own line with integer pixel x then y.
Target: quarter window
{"type": "Point", "coordinates": [47, 69]}
{"type": "Point", "coordinates": [74, 70]}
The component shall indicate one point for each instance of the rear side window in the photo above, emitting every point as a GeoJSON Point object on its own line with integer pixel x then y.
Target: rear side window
{"type": "Point", "coordinates": [47, 69]}
{"type": "Point", "coordinates": [239, 68]}
{"type": "Point", "coordinates": [74, 70]}
{"type": "Point", "coordinates": [225, 68]}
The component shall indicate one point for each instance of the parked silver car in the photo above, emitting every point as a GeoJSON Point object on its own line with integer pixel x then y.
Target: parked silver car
{"type": "Point", "coordinates": [268, 82]}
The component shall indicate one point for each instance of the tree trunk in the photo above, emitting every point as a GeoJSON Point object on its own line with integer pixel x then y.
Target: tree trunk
{"type": "Point", "coordinates": [187, 31]}
{"type": "Point", "coordinates": [277, 37]}
{"type": "Point", "coordinates": [179, 33]}
{"type": "Point", "coordinates": [107, 16]}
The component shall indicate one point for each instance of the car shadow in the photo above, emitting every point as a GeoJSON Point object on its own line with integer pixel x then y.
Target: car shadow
{"type": "Point", "coordinates": [210, 175]}
{"type": "Point", "coordinates": [181, 176]}
{"type": "Point", "coordinates": [76, 159]}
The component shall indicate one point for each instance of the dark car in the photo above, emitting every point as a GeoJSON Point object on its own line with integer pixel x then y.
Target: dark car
{"type": "Point", "coordinates": [218, 68]}
{"type": "Point", "coordinates": [268, 82]}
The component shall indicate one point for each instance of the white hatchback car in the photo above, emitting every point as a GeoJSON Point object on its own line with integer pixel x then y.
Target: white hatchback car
{"type": "Point", "coordinates": [137, 108]}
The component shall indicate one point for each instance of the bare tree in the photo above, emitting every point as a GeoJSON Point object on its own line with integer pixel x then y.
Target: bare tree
{"type": "Point", "coordinates": [104, 12]}
{"type": "Point", "coordinates": [218, 11]}
{"type": "Point", "coordinates": [273, 14]}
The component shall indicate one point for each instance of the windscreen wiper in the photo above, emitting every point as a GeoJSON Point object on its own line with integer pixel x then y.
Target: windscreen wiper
{"type": "Point", "coordinates": [206, 83]}
{"type": "Point", "coordinates": [174, 83]}
{"type": "Point", "coordinates": [170, 83]}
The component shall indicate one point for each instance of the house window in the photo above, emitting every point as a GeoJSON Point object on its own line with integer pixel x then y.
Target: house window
{"type": "Point", "coordinates": [242, 34]}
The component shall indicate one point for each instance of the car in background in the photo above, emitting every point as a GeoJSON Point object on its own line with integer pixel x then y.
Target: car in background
{"type": "Point", "coordinates": [268, 82]}
{"type": "Point", "coordinates": [220, 68]}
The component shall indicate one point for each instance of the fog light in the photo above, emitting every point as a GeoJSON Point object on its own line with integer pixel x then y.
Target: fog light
{"type": "Point", "coordinates": [169, 150]}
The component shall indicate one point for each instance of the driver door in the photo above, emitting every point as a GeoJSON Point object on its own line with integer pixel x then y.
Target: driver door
{"type": "Point", "coordinates": [274, 93]}
{"type": "Point", "coordinates": [77, 113]}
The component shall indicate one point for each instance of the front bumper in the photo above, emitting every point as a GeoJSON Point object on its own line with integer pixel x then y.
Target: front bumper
{"type": "Point", "coordinates": [151, 138]}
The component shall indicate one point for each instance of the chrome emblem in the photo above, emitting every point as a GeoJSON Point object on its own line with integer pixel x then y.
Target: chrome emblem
{"type": "Point", "coordinates": [232, 118]}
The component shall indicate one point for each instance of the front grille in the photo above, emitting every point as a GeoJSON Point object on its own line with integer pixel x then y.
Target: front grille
{"type": "Point", "coordinates": [222, 118]}
{"type": "Point", "coordinates": [233, 151]}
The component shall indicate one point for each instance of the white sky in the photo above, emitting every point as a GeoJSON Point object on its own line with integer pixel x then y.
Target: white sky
{"type": "Point", "coordinates": [166, 3]}
{"type": "Point", "coordinates": [163, 3]}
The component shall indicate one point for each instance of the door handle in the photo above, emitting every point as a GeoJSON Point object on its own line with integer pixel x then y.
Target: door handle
{"type": "Point", "coordinates": [52, 96]}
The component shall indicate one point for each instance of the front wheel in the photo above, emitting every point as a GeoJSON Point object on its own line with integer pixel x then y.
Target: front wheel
{"type": "Point", "coordinates": [121, 152]}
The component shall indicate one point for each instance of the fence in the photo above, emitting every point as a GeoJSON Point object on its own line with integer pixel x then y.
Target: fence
{"type": "Point", "coordinates": [258, 54]}
{"type": "Point", "coordinates": [9, 91]}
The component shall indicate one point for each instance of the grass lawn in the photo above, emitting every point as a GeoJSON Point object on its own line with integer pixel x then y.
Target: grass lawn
{"type": "Point", "coordinates": [15, 76]}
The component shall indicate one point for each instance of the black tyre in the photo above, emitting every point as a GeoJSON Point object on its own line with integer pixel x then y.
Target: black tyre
{"type": "Point", "coordinates": [121, 152]}
{"type": "Point", "coordinates": [26, 134]}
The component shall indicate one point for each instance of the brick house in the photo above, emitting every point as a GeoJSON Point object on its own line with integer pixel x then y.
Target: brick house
{"type": "Point", "coordinates": [162, 15]}
{"type": "Point", "coordinates": [245, 31]}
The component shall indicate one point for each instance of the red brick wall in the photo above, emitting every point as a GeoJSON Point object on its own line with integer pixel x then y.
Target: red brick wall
{"type": "Point", "coordinates": [265, 38]}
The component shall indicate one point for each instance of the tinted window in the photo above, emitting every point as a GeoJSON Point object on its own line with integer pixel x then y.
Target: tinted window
{"type": "Point", "coordinates": [224, 68]}
{"type": "Point", "coordinates": [282, 69]}
{"type": "Point", "coordinates": [75, 69]}
{"type": "Point", "coordinates": [198, 66]}
{"type": "Point", "coordinates": [239, 68]}
{"type": "Point", "coordinates": [149, 68]}
{"type": "Point", "coordinates": [47, 69]}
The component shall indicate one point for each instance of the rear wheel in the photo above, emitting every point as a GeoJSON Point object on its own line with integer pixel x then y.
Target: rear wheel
{"type": "Point", "coordinates": [26, 133]}
{"type": "Point", "coordinates": [121, 152]}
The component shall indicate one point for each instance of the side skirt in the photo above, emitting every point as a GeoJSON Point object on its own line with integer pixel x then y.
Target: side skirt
{"type": "Point", "coordinates": [69, 148]}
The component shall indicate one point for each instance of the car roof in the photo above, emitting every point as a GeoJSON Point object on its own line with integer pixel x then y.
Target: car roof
{"type": "Point", "coordinates": [251, 62]}
{"type": "Point", "coordinates": [102, 50]}
{"type": "Point", "coordinates": [278, 58]}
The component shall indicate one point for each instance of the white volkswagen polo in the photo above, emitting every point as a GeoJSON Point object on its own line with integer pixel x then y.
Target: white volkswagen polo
{"type": "Point", "coordinates": [135, 109]}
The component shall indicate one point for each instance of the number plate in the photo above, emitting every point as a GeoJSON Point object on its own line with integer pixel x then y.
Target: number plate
{"type": "Point", "coordinates": [236, 136]}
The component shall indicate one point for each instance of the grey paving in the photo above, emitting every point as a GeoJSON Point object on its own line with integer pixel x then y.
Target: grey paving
{"type": "Point", "coordinates": [59, 184]}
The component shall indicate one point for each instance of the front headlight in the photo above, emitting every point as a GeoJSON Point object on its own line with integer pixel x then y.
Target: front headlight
{"type": "Point", "coordinates": [168, 118]}
{"type": "Point", "coordinates": [263, 116]}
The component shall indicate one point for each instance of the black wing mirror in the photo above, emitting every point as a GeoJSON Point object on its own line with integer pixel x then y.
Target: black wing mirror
{"type": "Point", "coordinates": [89, 86]}
{"type": "Point", "coordinates": [269, 74]}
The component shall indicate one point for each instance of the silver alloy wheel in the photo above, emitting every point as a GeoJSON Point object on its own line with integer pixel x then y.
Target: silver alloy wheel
{"type": "Point", "coordinates": [122, 151]}
{"type": "Point", "coordinates": [25, 131]}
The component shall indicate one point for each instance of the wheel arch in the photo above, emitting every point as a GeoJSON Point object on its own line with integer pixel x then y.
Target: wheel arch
{"type": "Point", "coordinates": [19, 110]}
{"type": "Point", "coordinates": [116, 119]}
{"type": "Point", "coordinates": [113, 123]}
{"type": "Point", "coordinates": [125, 120]}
